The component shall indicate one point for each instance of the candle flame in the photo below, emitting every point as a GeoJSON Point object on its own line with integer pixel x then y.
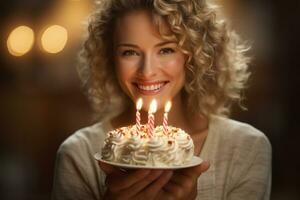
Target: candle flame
{"type": "Point", "coordinates": [168, 106]}
{"type": "Point", "coordinates": [139, 104]}
{"type": "Point", "coordinates": [153, 106]}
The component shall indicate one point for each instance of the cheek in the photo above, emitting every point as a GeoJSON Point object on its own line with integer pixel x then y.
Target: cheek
{"type": "Point", "coordinates": [125, 69]}
{"type": "Point", "coordinates": [175, 66]}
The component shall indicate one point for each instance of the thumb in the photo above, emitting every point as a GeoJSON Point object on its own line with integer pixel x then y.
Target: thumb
{"type": "Point", "coordinates": [199, 169]}
{"type": "Point", "coordinates": [204, 166]}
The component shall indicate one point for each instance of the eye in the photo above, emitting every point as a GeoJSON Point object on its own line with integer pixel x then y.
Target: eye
{"type": "Point", "coordinates": [129, 53]}
{"type": "Point", "coordinates": [166, 50]}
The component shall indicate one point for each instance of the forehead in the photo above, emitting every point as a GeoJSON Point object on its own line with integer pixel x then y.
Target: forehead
{"type": "Point", "coordinates": [139, 25]}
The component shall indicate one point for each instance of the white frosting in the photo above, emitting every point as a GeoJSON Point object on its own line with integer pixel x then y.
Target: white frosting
{"type": "Point", "coordinates": [125, 145]}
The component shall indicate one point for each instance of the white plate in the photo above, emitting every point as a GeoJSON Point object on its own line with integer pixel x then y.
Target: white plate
{"type": "Point", "coordinates": [195, 161]}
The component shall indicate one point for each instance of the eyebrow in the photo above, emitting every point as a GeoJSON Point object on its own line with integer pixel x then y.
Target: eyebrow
{"type": "Point", "coordinates": [136, 46]}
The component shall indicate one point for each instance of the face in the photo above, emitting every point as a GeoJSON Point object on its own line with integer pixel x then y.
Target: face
{"type": "Point", "coordinates": [147, 65]}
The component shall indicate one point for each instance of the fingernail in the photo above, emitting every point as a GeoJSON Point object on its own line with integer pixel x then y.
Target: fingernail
{"type": "Point", "coordinates": [207, 162]}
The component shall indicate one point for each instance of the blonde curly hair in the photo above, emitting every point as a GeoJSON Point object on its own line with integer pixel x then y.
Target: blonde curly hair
{"type": "Point", "coordinates": [217, 68]}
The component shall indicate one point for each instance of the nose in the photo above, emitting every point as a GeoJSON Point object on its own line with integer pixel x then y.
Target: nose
{"type": "Point", "coordinates": [148, 66]}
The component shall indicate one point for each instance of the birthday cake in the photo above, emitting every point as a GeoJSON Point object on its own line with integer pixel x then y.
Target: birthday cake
{"type": "Point", "coordinates": [164, 147]}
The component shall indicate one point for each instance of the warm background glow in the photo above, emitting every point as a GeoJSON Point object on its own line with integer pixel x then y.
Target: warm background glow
{"type": "Point", "coordinates": [54, 39]}
{"type": "Point", "coordinates": [42, 102]}
{"type": "Point", "coordinates": [20, 40]}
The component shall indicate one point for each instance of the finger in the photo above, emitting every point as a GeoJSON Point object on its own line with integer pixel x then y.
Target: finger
{"type": "Point", "coordinates": [174, 190]}
{"type": "Point", "coordinates": [205, 166]}
{"type": "Point", "coordinates": [152, 190]}
{"type": "Point", "coordinates": [139, 186]}
{"type": "Point", "coordinates": [182, 181]}
{"type": "Point", "coordinates": [107, 168]}
{"type": "Point", "coordinates": [163, 194]}
{"type": "Point", "coordinates": [123, 181]}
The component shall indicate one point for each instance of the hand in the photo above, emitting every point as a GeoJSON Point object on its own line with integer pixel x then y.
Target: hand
{"type": "Point", "coordinates": [135, 184]}
{"type": "Point", "coordinates": [183, 184]}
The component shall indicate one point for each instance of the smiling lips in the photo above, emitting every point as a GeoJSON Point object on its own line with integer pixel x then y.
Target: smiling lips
{"type": "Point", "coordinates": [150, 88]}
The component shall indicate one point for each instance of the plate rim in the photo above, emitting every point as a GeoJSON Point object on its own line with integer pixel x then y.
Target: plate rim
{"type": "Point", "coordinates": [195, 161]}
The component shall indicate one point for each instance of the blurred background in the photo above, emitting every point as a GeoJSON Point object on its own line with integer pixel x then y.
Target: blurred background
{"type": "Point", "coordinates": [42, 102]}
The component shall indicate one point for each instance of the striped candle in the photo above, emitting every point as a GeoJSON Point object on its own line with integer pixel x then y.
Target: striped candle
{"type": "Point", "coordinates": [165, 120]}
{"type": "Point", "coordinates": [151, 124]}
{"type": "Point", "coordinates": [151, 120]}
{"type": "Point", "coordinates": [138, 115]}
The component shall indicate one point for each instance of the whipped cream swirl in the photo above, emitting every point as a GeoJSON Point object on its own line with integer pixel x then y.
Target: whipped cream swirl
{"type": "Point", "coordinates": [126, 145]}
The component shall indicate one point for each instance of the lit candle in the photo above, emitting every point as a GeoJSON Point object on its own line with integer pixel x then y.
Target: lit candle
{"type": "Point", "coordinates": [152, 110]}
{"type": "Point", "coordinates": [165, 120]}
{"type": "Point", "coordinates": [138, 115]}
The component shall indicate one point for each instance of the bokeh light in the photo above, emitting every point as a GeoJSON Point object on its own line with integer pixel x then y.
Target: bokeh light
{"type": "Point", "coordinates": [20, 40]}
{"type": "Point", "coordinates": [54, 39]}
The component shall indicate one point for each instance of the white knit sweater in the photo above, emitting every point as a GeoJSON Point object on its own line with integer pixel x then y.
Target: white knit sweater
{"type": "Point", "coordinates": [240, 158]}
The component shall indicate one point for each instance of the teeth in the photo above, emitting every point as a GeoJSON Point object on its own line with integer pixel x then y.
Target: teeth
{"type": "Point", "coordinates": [150, 87]}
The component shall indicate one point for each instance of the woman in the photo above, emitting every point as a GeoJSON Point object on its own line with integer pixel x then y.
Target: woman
{"type": "Point", "coordinates": [168, 50]}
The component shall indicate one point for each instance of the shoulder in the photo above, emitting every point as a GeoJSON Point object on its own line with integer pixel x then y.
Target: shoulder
{"type": "Point", "coordinates": [86, 138]}
{"type": "Point", "coordinates": [239, 143]}
{"type": "Point", "coordinates": [239, 134]}
{"type": "Point", "coordinates": [241, 152]}
{"type": "Point", "coordinates": [75, 165]}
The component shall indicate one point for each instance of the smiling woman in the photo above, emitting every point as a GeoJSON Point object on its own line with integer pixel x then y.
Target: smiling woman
{"type": "Point", "coordinates": [177, 51]}
{"type": "Point", "coordinates": [216, 67]}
